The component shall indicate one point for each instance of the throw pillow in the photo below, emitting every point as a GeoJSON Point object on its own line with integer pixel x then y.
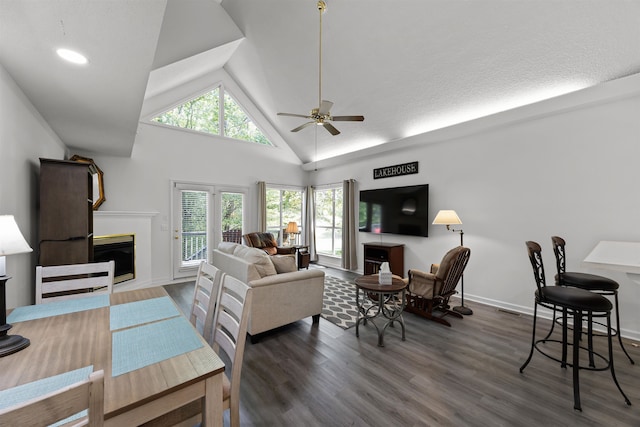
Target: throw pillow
{"type": "Point", "coordinates": [258, 258]}
{"type": "Point", "coordinates": [270, 250]}
{"type": "Point", "coordinates": [255, 240]}
{"type": "Point", "coordinates": [227, 247]}
{"type": "Point", "coordinates": [284, 263]}
{"type": "Point", "coordinates": [266, 240]}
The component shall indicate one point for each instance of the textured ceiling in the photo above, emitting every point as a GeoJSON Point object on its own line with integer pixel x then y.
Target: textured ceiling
{"type": "Point", "coordinates": [408, 66]}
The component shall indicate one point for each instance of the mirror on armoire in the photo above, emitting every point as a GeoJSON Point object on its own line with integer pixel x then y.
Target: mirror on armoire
{"type": "Point", "coordinates": [98, 180]}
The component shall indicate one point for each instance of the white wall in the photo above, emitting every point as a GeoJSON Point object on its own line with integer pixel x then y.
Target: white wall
{"type": "Point", "coordinates": [570, 171]}
{"type": "Point", "coordinates": [160, 155]}
{"type": "Point", "coordinates": [24, 138]}
{"type": "Point", "coordinates": [573, 173]}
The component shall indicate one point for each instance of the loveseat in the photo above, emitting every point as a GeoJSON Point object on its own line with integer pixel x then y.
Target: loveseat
{"type": "Point", "coordinates": [281, 293]}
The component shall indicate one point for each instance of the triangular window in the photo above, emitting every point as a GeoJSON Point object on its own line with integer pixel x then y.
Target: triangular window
{"type": "Point", "coordinates": [204, 114]}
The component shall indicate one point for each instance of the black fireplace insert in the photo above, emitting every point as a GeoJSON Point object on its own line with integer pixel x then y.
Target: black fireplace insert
{"type": "Point", "coordinates": [121, 249]}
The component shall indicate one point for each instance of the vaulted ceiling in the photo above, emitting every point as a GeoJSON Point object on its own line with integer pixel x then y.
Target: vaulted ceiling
{"type": "Point", "coordinates": [408, 66]}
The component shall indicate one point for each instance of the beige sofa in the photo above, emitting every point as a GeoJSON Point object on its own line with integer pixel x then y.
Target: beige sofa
{"type": "Point", "coordinates": [279, 298]}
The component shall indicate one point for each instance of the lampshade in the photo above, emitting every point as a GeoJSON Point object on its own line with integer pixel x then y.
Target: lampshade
{"type": "Point", "coordinates": [11, 240]}
{"type": "Point", "coordinates": [447, 217]}
{"type": "Point", "coordinates": [292, 227]}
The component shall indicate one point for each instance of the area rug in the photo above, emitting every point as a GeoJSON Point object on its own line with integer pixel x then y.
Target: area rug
{"type": "Point", "coordinates": [339, 305]}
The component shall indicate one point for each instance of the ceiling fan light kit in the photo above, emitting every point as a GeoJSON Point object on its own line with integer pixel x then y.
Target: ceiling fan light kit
{"type": "Point", "coordinates": [321, 115]}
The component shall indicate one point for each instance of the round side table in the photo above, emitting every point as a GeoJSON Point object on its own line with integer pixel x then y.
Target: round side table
{"type": "Point", "coordinates": [380, 301]}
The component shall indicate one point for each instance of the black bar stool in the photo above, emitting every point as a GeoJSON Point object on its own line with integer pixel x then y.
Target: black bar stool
{"type": "Point", "coordinates": [574, 302]}
{"type": "Point", "coordinates": [590, 282]}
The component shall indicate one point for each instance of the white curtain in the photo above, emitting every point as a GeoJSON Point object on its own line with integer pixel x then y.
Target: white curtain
{"type": "Point", "coordinates": [262, 206]}
{"type": "Point", "coordinates": [349, 220]}
{"type": "Point", "coordinates": [310, 224]}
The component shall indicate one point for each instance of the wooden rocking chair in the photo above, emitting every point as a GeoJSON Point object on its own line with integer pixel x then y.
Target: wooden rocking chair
{"type": "Point", "coordinates": [428, 293]}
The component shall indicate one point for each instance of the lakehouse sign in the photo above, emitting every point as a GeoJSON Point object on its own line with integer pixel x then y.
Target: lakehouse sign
{"type": "Point", "coordinates": [397, 170]}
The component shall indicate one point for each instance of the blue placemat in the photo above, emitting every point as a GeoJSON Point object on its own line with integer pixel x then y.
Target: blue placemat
{"type": "Point", "coordinates": [35, 389]}
{"type": "Point", "coordinates": [139, 312]}
{"type": "Point", "coordinates": [144, 345]}
{"type": "Point", "coordinates": [56, 308]}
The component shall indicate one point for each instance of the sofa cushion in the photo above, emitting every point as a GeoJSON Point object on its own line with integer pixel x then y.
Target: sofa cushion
{"type": "Point", "coordinates": [284, 263]}
{"type": "Point", "coordinates": [257, 257]}
{"type": "Point", "coordinates": [227, 247]}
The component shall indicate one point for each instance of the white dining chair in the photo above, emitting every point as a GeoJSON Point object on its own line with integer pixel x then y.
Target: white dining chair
{"type": "Point", "coordinates": [62, 282]}
{"type": "Point", "coordinates": [60, 405]}
{"type": "Point", "coordinates": [230, 333]}
{"type": "Point", "coordinates": [205, 298]}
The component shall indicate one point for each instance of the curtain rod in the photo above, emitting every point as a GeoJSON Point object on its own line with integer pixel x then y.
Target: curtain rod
{"type": "Point", "coordinates": [281, 185]}
{"type": "Point", "coordinates": [305, 186]}
{"type": "Point", "coordinates": [333, 184]}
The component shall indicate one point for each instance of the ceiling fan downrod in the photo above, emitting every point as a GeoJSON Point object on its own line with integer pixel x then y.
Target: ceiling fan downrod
{"type": "Point", "coordinates": [322, 7]}
{"type": "Point", "coordinates": [321, 115]}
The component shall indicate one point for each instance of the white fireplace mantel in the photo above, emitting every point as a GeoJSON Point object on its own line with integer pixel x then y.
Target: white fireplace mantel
{"type": "Point", "coordinates": [124, 214]}
{"type": "Point", "coordinates": [128, 222]}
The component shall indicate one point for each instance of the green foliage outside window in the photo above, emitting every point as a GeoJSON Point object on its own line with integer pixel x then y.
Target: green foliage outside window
{"type": "Point", "coordinates": [231, 211]}
{"type": "Point", "coordinates": [329, 221]}
{"type": "Point", "coordinates": [203, 114]}
{"type": "Point", "coordinates": [283, 206]}
{"type": "Point", "coordinates": [238, 125]}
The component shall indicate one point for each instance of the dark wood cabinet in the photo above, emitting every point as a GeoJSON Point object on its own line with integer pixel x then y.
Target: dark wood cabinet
{"type": "Point", "coordinates": [377, 253]}
{"type": "Point", "coordinates": [66, 213]}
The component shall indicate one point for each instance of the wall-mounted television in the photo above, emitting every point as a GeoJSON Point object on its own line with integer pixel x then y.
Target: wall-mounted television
{"type": "Point", "coordinates": [397, 210]}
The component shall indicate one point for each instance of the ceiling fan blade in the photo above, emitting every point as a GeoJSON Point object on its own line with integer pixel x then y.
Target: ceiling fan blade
{"type": "Point", "coordinates": [302, 126]}
{"type": "Point", "coordinates": [325, 107]}
{"type": "Point", "coordinates": [347, 118]}
{"type": "Point", "coordinates": [330, 128]}
{"type": "Point", "coordinates": [294, 115]}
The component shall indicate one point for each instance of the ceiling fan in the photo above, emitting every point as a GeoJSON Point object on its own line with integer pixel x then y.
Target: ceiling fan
{"type": "Point", "coordinates": [321, 115]}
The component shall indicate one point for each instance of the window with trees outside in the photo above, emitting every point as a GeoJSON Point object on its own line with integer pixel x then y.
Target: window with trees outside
{"type": "Point", "coordinates": [215, 112]}
{"type": "Point", "coordinates": [284, 205]}
{"type": "Point", "coordinates": [328, 203]}
{"type": "Point", "coordinates": [232, 211]}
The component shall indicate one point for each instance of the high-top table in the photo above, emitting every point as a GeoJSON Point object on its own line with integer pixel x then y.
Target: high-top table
{"type": "Point", "coordinates": [118, 344]}
{"type": "Point", "coordinates": [617, 256]}
{"type": "Point", "coordinates": [380, 301]}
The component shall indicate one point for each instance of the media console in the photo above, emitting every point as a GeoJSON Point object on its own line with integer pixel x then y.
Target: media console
{"type": "Point", "coordinates": [377, 253]}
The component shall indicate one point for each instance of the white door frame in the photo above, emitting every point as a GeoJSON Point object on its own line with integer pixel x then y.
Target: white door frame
{"type": "Point", "coordinates": [214, 220]}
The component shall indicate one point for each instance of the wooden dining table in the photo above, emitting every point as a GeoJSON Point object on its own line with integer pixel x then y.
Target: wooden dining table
{"type": "Point", "coordinates": [133, 394]}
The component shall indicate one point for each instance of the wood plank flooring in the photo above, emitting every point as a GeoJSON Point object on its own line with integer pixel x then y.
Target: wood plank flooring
{"type": "Point", "coordinates": [465, 375]}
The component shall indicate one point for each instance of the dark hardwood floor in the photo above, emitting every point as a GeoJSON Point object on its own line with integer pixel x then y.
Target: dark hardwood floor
{"type": "Point", "coordinates": [465, 375]}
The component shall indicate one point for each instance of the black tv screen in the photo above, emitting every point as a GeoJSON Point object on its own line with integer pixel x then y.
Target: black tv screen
{"type": "Point", "coordinates": [397, 210]}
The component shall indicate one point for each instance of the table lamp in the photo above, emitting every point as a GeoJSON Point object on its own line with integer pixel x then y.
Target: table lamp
{"type": "Point", "coordinates": [292, 228]}
{"type": "Point", "coordinates": [11, 242]}
{"type": "Point", "coordinates": [449, 217]}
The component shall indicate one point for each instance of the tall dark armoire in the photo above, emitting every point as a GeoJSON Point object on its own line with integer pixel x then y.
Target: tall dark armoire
{"type": "Point", "coordinates": [66, 213]}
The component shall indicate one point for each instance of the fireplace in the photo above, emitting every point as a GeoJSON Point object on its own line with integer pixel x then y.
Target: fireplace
{"type": "Point", "coordinates": [121, 249]}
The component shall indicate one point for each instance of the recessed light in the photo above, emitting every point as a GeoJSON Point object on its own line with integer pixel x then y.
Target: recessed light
{"type": "Point", "coordinates": [72, 56]}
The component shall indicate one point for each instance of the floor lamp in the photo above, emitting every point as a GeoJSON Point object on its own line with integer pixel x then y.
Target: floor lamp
{"type": "Point", "coordinates": [11, 242]}
{"type": "Point", "coordinates": [448, 217]}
